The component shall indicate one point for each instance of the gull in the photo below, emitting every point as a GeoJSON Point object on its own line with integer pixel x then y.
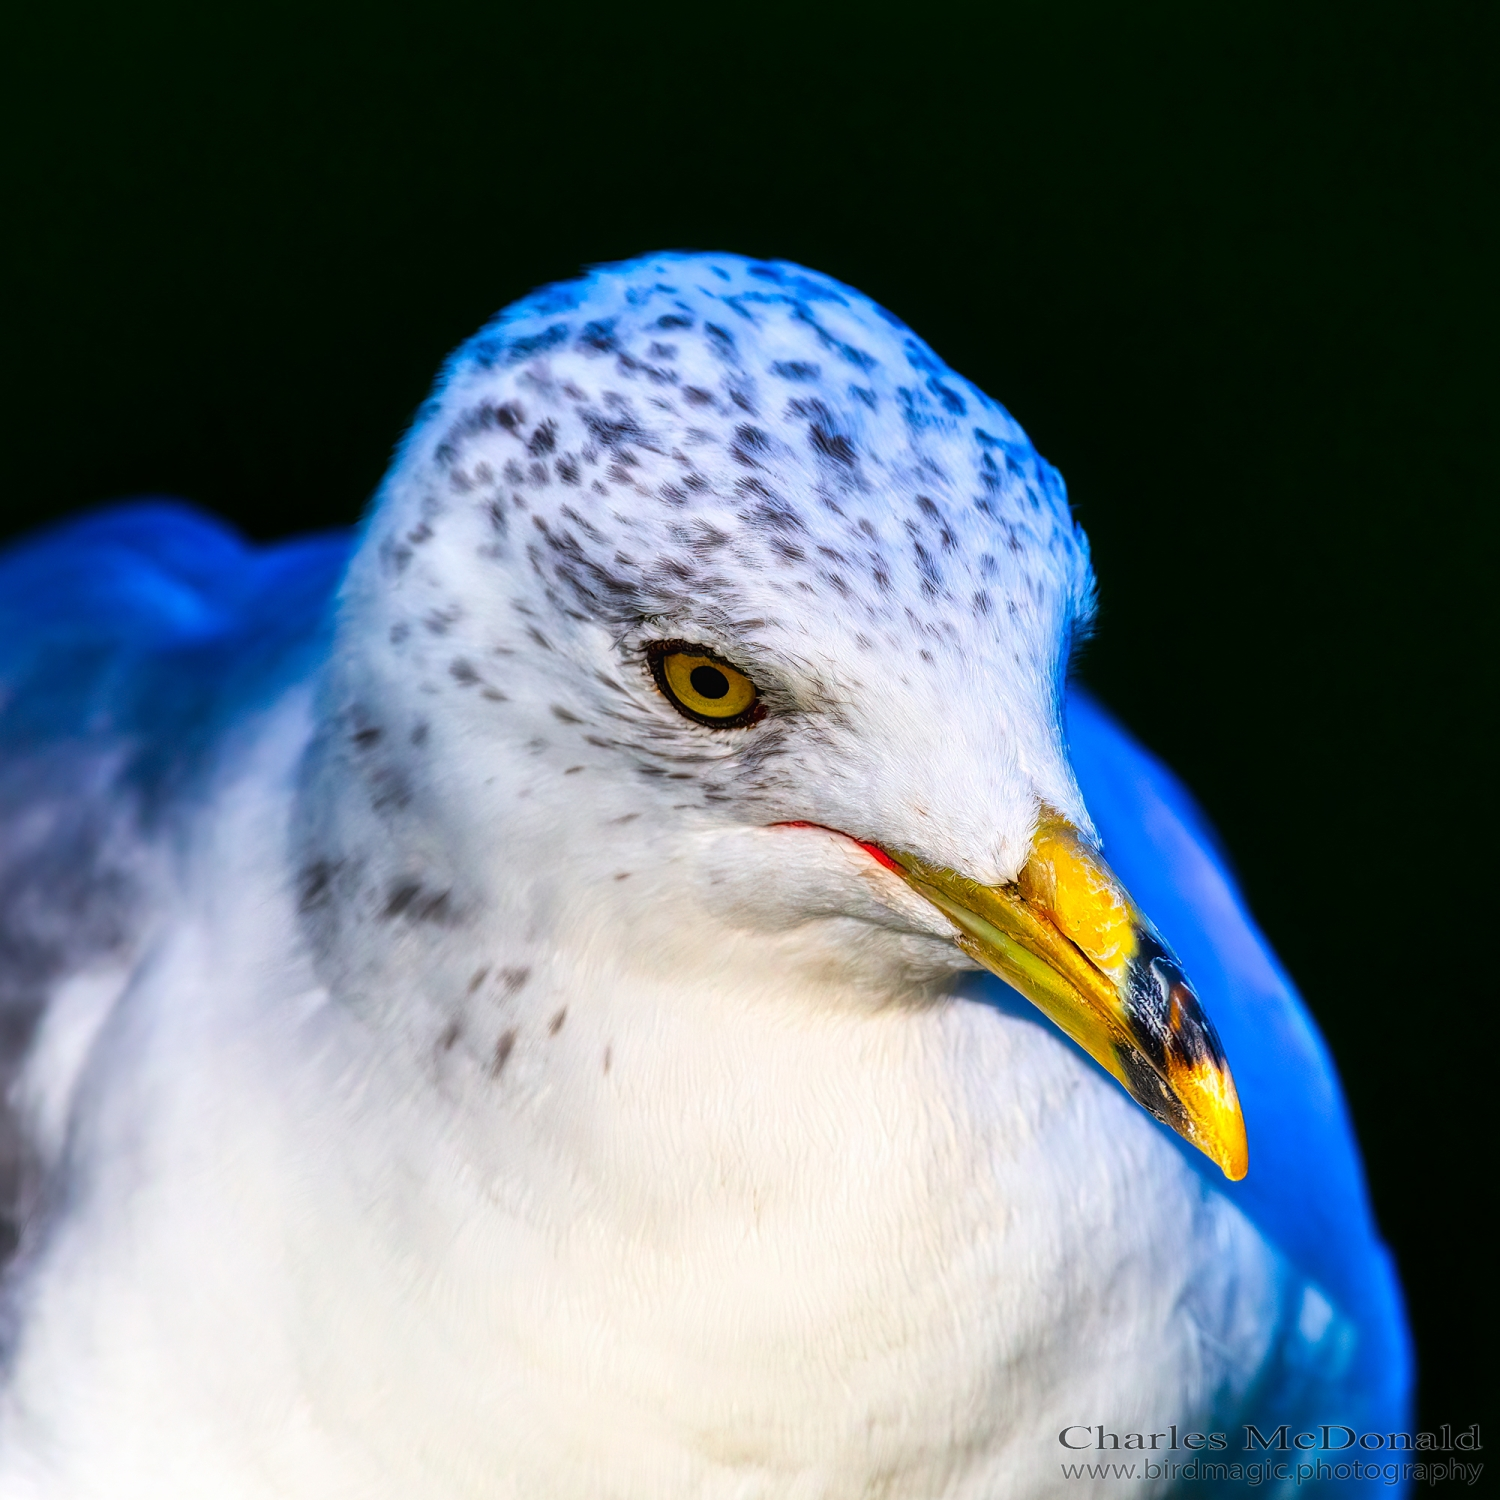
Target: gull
{"type": "Point", "coordinates": [636, 975]}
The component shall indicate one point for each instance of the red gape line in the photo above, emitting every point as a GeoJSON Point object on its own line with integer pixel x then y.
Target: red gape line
{"type": "Point", "coordinates": [873, 850]}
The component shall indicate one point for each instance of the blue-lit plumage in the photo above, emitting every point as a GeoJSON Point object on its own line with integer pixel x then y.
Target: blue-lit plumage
{"type": "Point", "coordinates": [1305, 1190]}
{"type": "Point", "coordinates": [147, 619]}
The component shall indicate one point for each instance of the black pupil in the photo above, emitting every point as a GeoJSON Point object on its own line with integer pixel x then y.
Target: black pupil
{"type": "Point", "coordinates": [708, 682]}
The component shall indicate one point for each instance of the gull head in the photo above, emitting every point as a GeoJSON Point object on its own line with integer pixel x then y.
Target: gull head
{"type": "Point", "coordinates": [709, 629]}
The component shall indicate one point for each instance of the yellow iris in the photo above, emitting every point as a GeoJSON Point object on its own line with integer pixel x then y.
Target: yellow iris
{"type": "Point", "coordinates": [705, 688]}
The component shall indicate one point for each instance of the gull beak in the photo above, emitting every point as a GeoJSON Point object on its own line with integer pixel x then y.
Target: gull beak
{"type": "Point", "coordinates": [1067, 935]}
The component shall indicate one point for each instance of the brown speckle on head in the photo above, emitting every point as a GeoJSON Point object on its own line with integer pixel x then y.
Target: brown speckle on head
{"type": "Point", "coordinates": [503, 1049]}
{"type": "Point", "coordinates": [410, 899]}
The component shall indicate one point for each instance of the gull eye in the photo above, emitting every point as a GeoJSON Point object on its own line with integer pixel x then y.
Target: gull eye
{"type": "Point", "coordinates": [704, 686]}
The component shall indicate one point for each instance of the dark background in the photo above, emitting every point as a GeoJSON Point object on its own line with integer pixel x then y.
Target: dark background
{"type": "Point", "coordinates": [1233, 272]}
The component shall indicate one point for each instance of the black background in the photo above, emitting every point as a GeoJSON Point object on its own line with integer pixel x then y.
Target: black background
{"type": "Point", "coordinates": [1233, 272]}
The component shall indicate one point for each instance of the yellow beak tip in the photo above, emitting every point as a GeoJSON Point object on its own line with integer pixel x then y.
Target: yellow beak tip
{"type": "Point", "coordinates": [1221, 1138]}
{"type": "Point", "coordinates": [1214, 1122]}
{"type": "Point", "coordinates": [1234, 1160]}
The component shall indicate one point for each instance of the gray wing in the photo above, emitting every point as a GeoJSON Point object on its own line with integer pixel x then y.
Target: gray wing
{"type": "Point", "coordinates": [129, 639]}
